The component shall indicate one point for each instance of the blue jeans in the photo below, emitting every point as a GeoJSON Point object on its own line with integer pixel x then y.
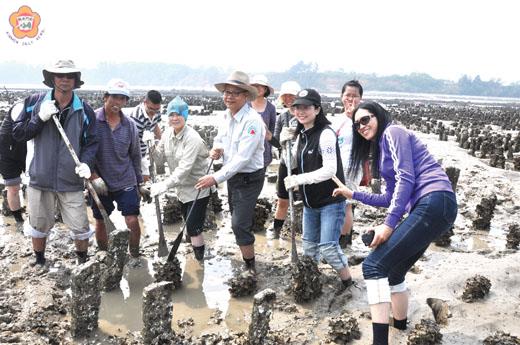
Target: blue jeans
{"type": "Point", "coordinates": [321, 230]}
{"type": "Point", "coordinates": [432, 215]}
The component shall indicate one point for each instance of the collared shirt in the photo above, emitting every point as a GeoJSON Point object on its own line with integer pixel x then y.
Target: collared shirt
{"type": "Point", "coordinates": [118, 160]}
{"type": "Point", "coordinates": [187, 157]}
{"type": "Point", "coordinates": [143, 122]}
{"type": "Point", "coordinates": [242, 138]}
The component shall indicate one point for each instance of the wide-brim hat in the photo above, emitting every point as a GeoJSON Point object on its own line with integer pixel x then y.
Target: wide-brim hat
{"type": "Point", "coordinates": [240, 80]}
{"type": "Point", "coordinates": [61, 67]}
{"type": "Point", "coordinates": [261, 79]}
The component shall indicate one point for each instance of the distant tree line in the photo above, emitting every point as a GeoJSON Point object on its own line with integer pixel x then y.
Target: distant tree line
{"type": "Point", "coordinates": [307, 74]}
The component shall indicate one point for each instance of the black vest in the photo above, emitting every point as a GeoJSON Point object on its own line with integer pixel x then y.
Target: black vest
{"type": "Point", "coordinates": [309, 159]}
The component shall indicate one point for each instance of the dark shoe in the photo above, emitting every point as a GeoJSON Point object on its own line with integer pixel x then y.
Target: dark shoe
{"type": "Point", "coordinates": [134, 252]}
{"type": "Point", "coordinates": [199, 252]}
{"type": "Point", "coordinates": [18, 216]}
{"type": "Point", "coordinates": [81, 257]}
{"type": "Point", "coordinates": [250, 266]}
{"type": "Point", "coordinates": [345, 284]}
{"type": "Point", "coordinates": [345, 240]}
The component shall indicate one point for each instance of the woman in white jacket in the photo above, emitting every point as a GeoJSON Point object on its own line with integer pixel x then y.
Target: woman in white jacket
{"type": "Point", "coordinates": [186, 154]}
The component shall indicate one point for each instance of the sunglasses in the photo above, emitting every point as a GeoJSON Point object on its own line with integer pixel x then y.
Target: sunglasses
{"type": "Point", "coordinates": [65, 75]}
{"type": "Point", "coordinates": [362, 121]}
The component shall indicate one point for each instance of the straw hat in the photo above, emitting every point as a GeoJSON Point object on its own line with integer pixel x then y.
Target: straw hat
{"type": "Point", "coordinates": [240, 80]}
{"type": "Point", "coordinates": [62, 67]}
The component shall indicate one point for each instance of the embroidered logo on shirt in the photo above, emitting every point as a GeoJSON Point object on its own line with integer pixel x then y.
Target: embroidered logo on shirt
{"type": "Point", "coordinates": [251, 130]}
{"type": "Point", "coordinates": [329, 149]}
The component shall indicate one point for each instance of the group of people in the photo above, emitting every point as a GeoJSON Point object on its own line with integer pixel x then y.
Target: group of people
{"type": "Point", "coordinates": [325, 169]}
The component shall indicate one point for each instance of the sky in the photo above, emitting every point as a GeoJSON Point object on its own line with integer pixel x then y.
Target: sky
{"type": "Point", "coordinates": [445, 39]}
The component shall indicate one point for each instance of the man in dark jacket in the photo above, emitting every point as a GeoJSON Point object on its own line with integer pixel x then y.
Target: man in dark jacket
{"type": "Point", "coordinates": [54, 177]}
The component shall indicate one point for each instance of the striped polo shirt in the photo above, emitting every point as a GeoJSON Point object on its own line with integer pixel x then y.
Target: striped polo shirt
{"type": "Point", "coordinates": [143, 122]}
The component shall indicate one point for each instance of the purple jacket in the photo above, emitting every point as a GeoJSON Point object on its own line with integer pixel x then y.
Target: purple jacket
{"type": "Point", "coordinates": [410, 172]}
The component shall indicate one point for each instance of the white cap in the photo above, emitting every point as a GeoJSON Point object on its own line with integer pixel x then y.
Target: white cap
{"type": "Point", "coordinates": [118, 87]}
{"type": "Point", "coordinates": [290, 88]}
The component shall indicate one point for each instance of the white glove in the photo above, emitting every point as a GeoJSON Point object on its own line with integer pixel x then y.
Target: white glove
{"type": "Point", "coordinates": [158, 188]}
{"type": "Point", "coordinates": [47, 109]}
{"type": "Point", "coordinates": [148, 136]}
{"type": "Point", "coordinates": [291, 182]}
{"type": "Point", "coordinates": [100, 186]}
{"type": "Point", "coordinates": [83, 170]}
{"type": "Point", "coordinates": [286, 134]}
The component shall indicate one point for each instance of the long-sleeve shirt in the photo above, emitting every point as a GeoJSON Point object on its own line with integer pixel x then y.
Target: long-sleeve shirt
{"type": "Point", "coordinates": [281, 121]}
{"type": "Point", "coordinates": [242, 138]}
{"type": "Point", "coordinates": [269, 117]}
{"type": "Point", "coordinates": [143, 122]}
{"type": "Point", "coordinates": [118, 160]}
{"type": "Point", "coordinates": [52, 167]}
{"type": "Point", "coordinates": [187, 158]}
{"type": "Point", "coordinates": [344, 133]}
{"type": "Point", "coordinates": [410, 172]}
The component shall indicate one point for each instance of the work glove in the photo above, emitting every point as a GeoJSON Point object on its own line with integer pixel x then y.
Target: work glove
{"type": "Point", "coordinates": [83, 170]}
{"type": "Point", "coordinates": [287, 134]}
{"type": "Point", "coordinates": [144, 191]}
{"type": "Point", "coordinates": [291, 182]}
{"type": "Point", "coordinates": [47, 109]}
{"type": "Point", "coordinates": [158, 188]}
{"type": "Point", "coordinates": [148, 136]}
{"type": "Point", "coordinates": [100, 186]}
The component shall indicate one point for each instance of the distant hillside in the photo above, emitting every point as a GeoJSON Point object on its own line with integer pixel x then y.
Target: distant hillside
{"type": "Point", "coordinates": [307, 74]}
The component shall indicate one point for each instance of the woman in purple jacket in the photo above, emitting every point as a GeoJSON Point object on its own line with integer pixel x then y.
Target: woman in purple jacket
{"type": "Point", "coordinates": [415, 184]}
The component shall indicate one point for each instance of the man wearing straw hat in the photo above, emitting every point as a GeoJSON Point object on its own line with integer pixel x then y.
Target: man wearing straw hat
{"type": "Point", "coordinates": [240, 142]}
{"type": "Point", "coordinates": [54, 177]}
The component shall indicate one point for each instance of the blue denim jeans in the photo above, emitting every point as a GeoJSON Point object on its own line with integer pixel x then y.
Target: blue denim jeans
{"type": "Point", "coordinates": [321, 230]}
{"type": "Point", "coordinates": [432, 215]}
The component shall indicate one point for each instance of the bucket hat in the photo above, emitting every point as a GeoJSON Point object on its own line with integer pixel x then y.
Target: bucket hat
{"type": "Point", "coordinates": [61, 67]}
{"type": "Point", "coordinates": [240, 80]}
{"type": "Point", "coordinates": [261, 79]}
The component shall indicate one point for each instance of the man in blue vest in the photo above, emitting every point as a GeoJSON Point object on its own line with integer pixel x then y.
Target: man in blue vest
{"type": "Point", "coordinates": [54, 177]}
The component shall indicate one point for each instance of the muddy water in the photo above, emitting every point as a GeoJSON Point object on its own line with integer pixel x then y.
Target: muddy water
{"type": "Point", "coordinates": [204, 295]}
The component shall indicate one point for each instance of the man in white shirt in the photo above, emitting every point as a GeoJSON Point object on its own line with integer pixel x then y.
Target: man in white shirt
{"type": "Point", "coordinates": [240, 142]}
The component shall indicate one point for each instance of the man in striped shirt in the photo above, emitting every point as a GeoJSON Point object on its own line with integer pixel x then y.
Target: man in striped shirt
{"type": "Point", "coordinates": [147, 117]}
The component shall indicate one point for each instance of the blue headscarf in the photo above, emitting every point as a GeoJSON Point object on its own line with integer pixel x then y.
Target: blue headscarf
{"type": "Point", "coordinates": [177, 105]}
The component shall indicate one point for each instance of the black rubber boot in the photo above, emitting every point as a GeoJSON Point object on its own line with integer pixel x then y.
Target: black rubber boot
{"type": "Point", "coordinates": [18, 215]}
{"type": "Point", "coordinates": [199, 252]}
{"type": "Point", "coordinates": [250, 265]}
{"type": "Point", "coordinates": [82, 257]}
{"type": "Point", "coordinates": [40, 258]}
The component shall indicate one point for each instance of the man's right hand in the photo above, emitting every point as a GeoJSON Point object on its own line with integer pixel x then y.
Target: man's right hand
{"type": "Point", "coordinates": [47, 109]}
{"type": "Point", "coordinates": [100, 186]}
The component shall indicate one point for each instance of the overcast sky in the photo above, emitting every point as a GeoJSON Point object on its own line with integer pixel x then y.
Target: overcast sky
{"type": "Point", "coordinates": [444, 38]}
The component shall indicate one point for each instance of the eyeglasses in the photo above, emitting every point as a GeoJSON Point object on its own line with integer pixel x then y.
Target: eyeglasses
{"type": "Point", "coordinates": [233, 94]}
{"type": "Point", "coordinates": [352, 96]}
{"type": "Point", "coordinates": [65, 75]}
{"type": "Point", "coordinates": [362, 121]}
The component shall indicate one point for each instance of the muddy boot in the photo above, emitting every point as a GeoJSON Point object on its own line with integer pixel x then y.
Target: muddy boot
{"type": "Point", "coordinates": [199, 252]}
{"type": "Point", "coordinates": [250, 266]}
{"type": "Point", "coordinates": [345, 284]}
{"type": "Point", "coordinates": [277, 228]}
{"type": "Point", "coordinates": [18, 215]}
{"type": "Point", "coordinates": [134, 252]}
{"type": "Point", "coordinates": [40, 259]}
{"type": "Point", "coordinates": [81, 257]}
{"type": "Point", "coordinates": [345, 240]}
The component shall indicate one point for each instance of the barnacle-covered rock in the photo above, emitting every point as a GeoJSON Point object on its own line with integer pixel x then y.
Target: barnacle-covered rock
{"type": "Point", "coordinates": [501, 338]}
{"type": "Point", "coordinates": [426, 332]}
{"type": "Point", "coordinates": [306, 284]}
{"type": "Point", "coordinates": [168, 271]}
{"type": "Point", "coordinates": [242, 285]}
{"type": "Point", "coordinates": [476, 288]}
{"type": "Point", "coordinates": [343, 329]}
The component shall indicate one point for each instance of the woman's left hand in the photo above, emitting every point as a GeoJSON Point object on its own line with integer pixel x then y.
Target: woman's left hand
{"type": "Point", "coordinates": [382, 233]}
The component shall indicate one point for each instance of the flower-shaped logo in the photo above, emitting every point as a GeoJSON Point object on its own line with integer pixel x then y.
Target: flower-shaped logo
{"type": "Point", "coordinates": [25, 22]}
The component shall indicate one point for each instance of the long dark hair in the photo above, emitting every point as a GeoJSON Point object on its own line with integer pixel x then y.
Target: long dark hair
{"type": "Point", "coordinates": [319, 122]}
{"type": "Point", "coordinates": [363, 149]}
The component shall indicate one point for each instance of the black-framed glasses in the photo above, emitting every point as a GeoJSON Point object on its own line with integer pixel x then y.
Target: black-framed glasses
{"type": "Point", "coordinates": [65, 75]}
{"type": "Point", "coordinates": [233, 94]}
{"type": "Point", "coordinates": [362, 121]}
